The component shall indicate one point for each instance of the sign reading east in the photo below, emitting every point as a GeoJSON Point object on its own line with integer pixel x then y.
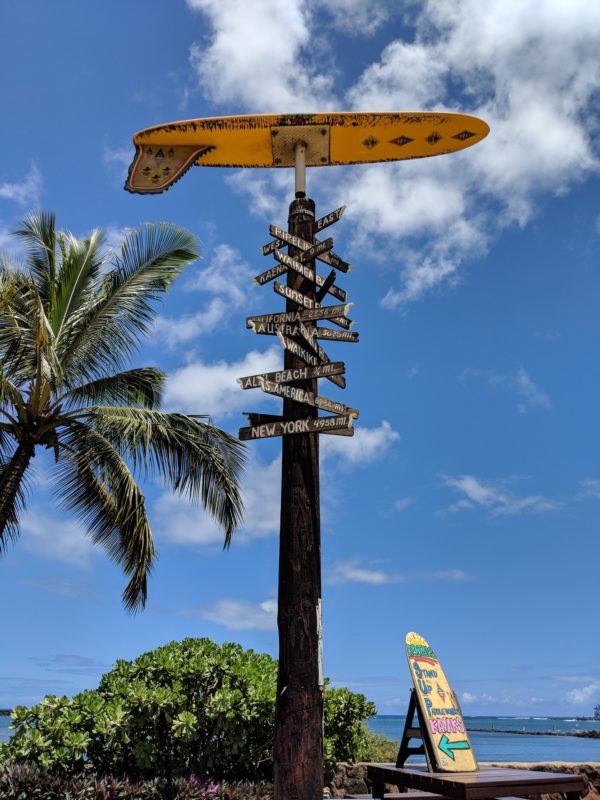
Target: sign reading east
{"type": "Point", "coordinates": [445, 726]}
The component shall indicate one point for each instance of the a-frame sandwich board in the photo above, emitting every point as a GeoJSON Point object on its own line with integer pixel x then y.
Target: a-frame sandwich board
{"type": "Point", "coordinates": [446, 742]}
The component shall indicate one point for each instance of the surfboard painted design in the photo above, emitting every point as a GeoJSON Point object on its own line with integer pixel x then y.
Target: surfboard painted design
{"type": "Point", "coordinates": [165, 152]}
{"type": "Point", "coordinates": [445, 726]}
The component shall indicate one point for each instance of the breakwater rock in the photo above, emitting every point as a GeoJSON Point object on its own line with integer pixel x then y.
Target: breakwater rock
{"type": "Point", "coordinates": [350, 780]}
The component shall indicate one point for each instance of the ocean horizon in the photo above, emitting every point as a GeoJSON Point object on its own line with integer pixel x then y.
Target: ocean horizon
{"type": "Point", "coordinates": [497, 743]}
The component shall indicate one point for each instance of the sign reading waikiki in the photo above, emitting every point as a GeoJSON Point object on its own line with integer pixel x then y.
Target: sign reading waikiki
{"type": "Point", "coordinates": [444, 723]}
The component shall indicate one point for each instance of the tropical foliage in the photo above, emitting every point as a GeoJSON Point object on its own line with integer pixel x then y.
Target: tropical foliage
{"type": "Point", "coordinates": [189, 707]}
{"type": "Point", "coordinates": [71, 317]}
{"type": "Point", "coordinates": [25, 782]}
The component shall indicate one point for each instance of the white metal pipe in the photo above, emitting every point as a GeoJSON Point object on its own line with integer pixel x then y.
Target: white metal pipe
{"type": "Point", "coordinates": [300, 168]}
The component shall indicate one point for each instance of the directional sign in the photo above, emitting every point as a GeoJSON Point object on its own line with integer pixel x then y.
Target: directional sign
{"type": "Point", "coordinates": [263, 419]}
{"type": "Point", "coordinates": [293, 347]}
{"type": "Point", "coordinates": [343, 322]}
{"type": "Point", "coordinates": [304, 396]}
{"type": "Point", "coordinates": [323, 312]}
{"type": "Point", "coordinates": [273, 272]}
{"type": "Point", "coordinates": [326, 360]}
{"type": "Point", "coordinates": [317, 250]}
{"type": "Point", "coordinates": [336, 336]}
{"type": "Point", "coordinates": [447, 747]}
{"type": "Point", "coordinates": [326, 286]}
{"type": "Point", "coordinates": [444, 725]}
{"type": "Point", "coordinates": [297, 266]}
{"type": "Point", "coordinates": [306, 272]}
{"type": "Point", "coordinates": [295, 296]}
{"type": "Point", "coordinates": [291, 263]}
{"type": "Point", "coordinates": [291, 375]}
{"type": "Point", "coordinates": [294, 426]}
{"type": "Point", "coordinates": [283, 238]}
{"type": "Point", "coordinates": [329, 219]}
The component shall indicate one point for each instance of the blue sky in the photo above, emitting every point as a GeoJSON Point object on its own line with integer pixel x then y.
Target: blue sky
{"type": "Point", "coordinates": [466, 505]}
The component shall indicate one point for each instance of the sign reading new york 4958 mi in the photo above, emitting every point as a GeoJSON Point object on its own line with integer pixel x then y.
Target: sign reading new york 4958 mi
{"type": "Point", "coordinates": [445, 727]}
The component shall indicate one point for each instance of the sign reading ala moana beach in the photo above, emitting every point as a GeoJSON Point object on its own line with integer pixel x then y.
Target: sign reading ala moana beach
{"type": "Point", "coordinates": [440, 711]}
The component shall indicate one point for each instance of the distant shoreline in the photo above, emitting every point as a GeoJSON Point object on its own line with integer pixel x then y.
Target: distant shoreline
{"type": "Point", "coordinates": [580, 734]}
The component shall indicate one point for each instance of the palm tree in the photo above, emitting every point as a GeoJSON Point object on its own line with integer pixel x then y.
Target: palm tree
{"type": "Point", "coordinates": [70, 318]}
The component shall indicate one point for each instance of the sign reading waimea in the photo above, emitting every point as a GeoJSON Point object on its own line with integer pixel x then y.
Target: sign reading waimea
{"type": "Point", "coordinates": [297, 330]}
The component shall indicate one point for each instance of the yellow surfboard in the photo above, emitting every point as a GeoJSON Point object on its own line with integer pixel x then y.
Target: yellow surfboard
{"type": "Point", "coordinates": [165, 152]}
{"type": "Point", "coordinates": [445, 726]}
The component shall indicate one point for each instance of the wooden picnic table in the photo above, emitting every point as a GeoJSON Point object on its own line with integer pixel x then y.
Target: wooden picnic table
{"type": "Point", "coordinates": [487, 782]}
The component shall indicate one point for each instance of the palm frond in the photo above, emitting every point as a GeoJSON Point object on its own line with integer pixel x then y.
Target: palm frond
{"type": "Point", "coordinates": [9, 393]}
{"type": "Point", "coordinates": [110, 329]}
{"type": "Point", "coordinates": [79, 268]}
{"type": "Point", "coordinates": [39, 233]}
{"type": "Point", "coordinates": [194, 458]}
{"type": "Point", "coordinates": [96, 484]}
{"type": "Point", "coordinates": [19, 324]}
{"type": "Point", "coordinates": [12, 492]}
{"type": "Point", "coordinates": [142, 386]}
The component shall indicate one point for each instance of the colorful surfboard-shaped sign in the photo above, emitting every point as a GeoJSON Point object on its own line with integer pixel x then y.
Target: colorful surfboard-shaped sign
{"type": "Point", "coordinates": [440, 711]}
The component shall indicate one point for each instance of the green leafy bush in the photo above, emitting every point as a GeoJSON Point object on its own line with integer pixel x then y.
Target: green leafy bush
{"type": "Point", "coordinates": [191, 707]}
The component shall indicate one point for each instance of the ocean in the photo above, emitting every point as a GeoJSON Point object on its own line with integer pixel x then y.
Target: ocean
{"type": "Point", "coordinates": [496, 746]}
{"type": "Point", "coordinates": [512, 746]}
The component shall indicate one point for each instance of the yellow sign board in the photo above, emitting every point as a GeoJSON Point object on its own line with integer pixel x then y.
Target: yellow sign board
{"type": "Point", "coordinates": [444, 724]}
{"type": "Point", "coordinates": [165, 152]}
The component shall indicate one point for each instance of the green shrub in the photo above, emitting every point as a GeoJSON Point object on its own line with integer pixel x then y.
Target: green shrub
{"type": "Point", "coordinates": [191, 707]}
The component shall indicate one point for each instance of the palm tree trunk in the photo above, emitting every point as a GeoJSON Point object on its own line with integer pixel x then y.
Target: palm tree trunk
{"type": "Point", "coordinates": [10, 483]}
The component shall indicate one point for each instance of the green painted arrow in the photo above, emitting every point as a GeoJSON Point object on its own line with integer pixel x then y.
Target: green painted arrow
{"type": "Point", "coordinates": [447, 747]}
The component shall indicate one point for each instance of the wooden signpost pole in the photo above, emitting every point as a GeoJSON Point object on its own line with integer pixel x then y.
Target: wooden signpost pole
{"type": "Point", "coordinates": [298, 744]}
{"type": "Point", "coordinates": [163, 154]}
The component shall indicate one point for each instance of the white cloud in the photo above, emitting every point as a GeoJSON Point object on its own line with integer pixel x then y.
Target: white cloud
{"type": "Point", "coordinates": [242, 615]}
{"type": "Point", "coordinates": [367, 445]}
{"type": "Point", "coordinates": [26, 192]}
{"type": "Point", "coordinates": [57, 538]}
{"type": "Point", "coordinates": [586, 695]}
{"type": "Point", "coordinates": [522, 384]}
{"type": "Point", "coordinates": [529, 69]}
{"type": "Point", "coordinates": [211, 388]}
{"type": "Point", "coordinates": [496, 497]}
{"type": "Point", "coordinates": [120, 157]}
{"type": "Point", "coordinates": [223, 278]}
{"type": "Point", "coordinates": [351, 572]}
{"type": "Point", "coordinates": [183, 523]}
{"type": "Point", "coordinates": [403, 503]}
{"type": "Point", "coordinates": [590, 489]}
{"type": "Point", "coordinates": [280, 80]}
{"type": "Point", "coordinates": [356, 17]}
{"type": "Point", "coordinates": [449, 575]}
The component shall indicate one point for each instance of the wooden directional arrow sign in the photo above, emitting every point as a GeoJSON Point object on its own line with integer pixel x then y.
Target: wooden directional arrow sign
{"type": "Point", "coordinates": [292, 375]}
{"type": "Point", "coordinates": [295, 426]}
{"type": "Point", "coordinates": [317, 250]}
{"type": "Point", "coordinates": [287, 262]}
{"type": "Point", "coordinates": [283, 237]}
{"type": "Point", "coordinates": [329, 219]}
{"type": "Point", "coordinates": [293, 347]}
{"type": "Point", "coordinates": [323, 312]}
{"type": "Point", "coordinates": [295, 296]}
{"type": "Point", "coordinates": [270, 274]}
{"type": "Point", "coordinates": [316, 358]}
{"type": "Point", "coordinates": [336, 336]}
{"type": "Point", "coordinates": [297, 266]}
{"type": "Point", "coordinates": [264, 419]}
{"type": "Point", "coordinates": [303, 396]}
